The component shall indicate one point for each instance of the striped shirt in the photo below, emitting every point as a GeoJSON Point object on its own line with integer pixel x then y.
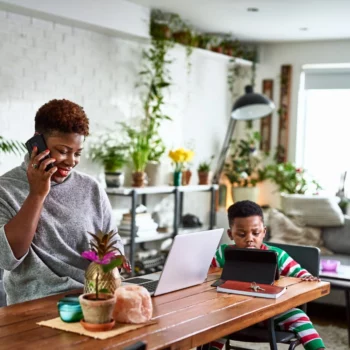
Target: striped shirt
{"type": "Point", "coordinates": [286, 265]}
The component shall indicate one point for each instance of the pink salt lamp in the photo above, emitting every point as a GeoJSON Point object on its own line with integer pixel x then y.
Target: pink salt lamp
{"type": "Point", "coordinates": [133, 304]}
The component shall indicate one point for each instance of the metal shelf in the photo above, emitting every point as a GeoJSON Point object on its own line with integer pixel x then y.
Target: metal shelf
{"type": "Point", "coordinates": [178, 192]}
{"type": "Point", "coordinates": [127, 191]}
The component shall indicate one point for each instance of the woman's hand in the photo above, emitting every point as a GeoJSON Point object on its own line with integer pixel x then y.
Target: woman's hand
{"type": "Point", "coordinates": [38, 178]}
{"type": "Point", "coordinates": [310, 278]}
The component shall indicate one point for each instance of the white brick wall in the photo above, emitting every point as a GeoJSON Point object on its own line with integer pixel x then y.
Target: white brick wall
{"type": "Point", "coordinates": [41, 60]}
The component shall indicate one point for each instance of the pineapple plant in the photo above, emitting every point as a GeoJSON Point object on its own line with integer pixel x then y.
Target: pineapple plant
{"type": "Point", "coordinates": [102, 275]}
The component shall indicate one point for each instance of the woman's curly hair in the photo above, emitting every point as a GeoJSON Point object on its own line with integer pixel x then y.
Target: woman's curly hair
{"type": "Point", "coordinates": [62, 116]}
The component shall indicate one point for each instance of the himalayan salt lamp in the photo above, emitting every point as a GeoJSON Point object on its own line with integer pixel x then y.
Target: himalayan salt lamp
{"type": "Point", "coordinates": [133, 304]}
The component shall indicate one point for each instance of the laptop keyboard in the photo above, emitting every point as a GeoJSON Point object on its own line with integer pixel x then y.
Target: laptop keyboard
{"type": "Point", "coordinates": [150, 286]}
{"type": "Point", "coordinates": [137, 280]}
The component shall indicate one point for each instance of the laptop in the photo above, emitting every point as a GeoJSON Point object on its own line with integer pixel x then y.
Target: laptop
{"type": "Point", "coordinates": [249, 265]}
{"type": "Point", "coordinates": [187, 263]}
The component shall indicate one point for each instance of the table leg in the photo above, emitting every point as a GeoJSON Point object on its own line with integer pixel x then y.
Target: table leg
{"type": "Point", "coordinates": [347, 303]}
{"type": "Point", "coordinates": [272, 334]}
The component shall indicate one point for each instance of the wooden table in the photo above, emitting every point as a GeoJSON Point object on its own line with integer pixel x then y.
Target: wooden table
{"type": "Point", "coordinates": [185, 319]}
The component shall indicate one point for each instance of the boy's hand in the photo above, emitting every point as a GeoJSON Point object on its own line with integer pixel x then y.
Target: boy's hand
{"type": "Point", "coordinates": [310, 278]}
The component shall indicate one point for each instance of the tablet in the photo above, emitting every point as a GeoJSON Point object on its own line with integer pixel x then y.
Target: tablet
{"type": "Point", "coordinates": [250, 265]}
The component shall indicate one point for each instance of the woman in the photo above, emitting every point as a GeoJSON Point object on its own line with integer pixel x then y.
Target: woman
{"type": "Point", "coordinates": [45, 216]}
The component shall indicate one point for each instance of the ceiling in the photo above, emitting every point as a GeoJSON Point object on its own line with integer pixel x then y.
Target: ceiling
{"type": "Point", "coordinates": [276, 20]}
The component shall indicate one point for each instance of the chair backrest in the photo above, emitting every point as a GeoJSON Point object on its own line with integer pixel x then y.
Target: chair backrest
{"type": "Point", "coordinates": [307, 256]}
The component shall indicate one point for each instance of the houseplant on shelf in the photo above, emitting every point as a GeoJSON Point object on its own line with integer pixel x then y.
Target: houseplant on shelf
{"type": "Point", "coordinates": [102, 278]}
{"type": "Point", "coordinates": [243, 167]}
{"type": "Point", "coordinates": [139, 150]}
{"type": "Point", "coordinates": [203, 171]}
{"type": "Point", "coordinates": [113, 156]}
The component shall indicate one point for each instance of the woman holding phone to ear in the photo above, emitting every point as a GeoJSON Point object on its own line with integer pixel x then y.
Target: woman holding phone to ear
{"type": "Point", "coordinates": [46, 213]}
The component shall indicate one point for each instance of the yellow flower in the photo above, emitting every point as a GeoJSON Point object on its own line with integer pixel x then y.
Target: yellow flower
{"type": "Point", "coordinates": [180, 156]}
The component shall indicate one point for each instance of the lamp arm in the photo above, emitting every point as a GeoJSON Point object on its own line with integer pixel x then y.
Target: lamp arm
{"type": "Point", "coordinates": [224, 150]}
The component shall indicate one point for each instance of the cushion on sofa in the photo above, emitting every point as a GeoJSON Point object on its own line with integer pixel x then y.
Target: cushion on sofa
{"type": "Point", "coordinates": [315, 210]}
{"type": "Point", "coordinates": [287, 230]}
{"type": "Point", "coordinates": [337, 239]}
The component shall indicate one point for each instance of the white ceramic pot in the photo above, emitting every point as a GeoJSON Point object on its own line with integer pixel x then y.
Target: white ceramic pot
{"type": "Point", "coordinates": [115, 179]}
{"type": "Point", "coordinates": [245, 193]}
{"type": "Point", "coordinates": [154, 174]}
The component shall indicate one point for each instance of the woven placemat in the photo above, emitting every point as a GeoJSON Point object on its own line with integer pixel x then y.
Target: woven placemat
{"type": "Point", "coordinates": [76, 327]}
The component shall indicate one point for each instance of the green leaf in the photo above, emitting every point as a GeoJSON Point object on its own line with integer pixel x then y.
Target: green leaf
{"type": "Point", "coordinates": [104, 290]}
{"type": "Point", "coordinates": [117, 262]}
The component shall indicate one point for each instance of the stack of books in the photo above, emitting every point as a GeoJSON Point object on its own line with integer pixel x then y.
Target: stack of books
{"type": "Point", "coordinates": [145, 225]}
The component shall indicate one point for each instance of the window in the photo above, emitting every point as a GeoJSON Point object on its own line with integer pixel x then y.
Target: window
{"type": "Point", "coordinates": [324, 117]}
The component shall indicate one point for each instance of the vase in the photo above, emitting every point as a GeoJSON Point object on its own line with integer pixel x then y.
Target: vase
{"type": "Point", "coordinates": [186, 177]}
{"type": "Point", "coordinates": [245, 193]}
{"type": "Point", "coordinates": [153, 171]}
{"type": "Point", "coordinates": [177, 178]}
{"type": "Point", "coordinates": [108, 281]}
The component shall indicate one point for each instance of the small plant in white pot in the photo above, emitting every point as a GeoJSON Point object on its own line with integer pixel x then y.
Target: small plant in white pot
{"type": "Point", "coordinates": [98, 306]}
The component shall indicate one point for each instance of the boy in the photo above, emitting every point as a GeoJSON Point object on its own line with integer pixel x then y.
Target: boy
{"type": "Point", "coordinates": [247, 230]}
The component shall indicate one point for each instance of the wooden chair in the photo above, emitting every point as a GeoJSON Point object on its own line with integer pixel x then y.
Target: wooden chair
{"type": "Point", "coordinates": [309, 258]}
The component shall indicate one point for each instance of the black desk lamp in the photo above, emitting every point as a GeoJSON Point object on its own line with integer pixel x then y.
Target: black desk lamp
{"type": "Point", "coordinates": [250, 106]}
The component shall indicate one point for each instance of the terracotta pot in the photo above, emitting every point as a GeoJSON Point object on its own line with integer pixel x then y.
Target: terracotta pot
{"type": "Point", "coordinates": [182, 37]}
{"type": "Point", "coordinates": [97, 311]}
{"type": "Point", "coordinates": [108, 281]}
{"type": "Point", "coordinates": [138, 178]}
{"type": "Point", "coordinates": [203, 177]}
{"type": "Point", "coordinates": [97, 327]}
{"type": "Point", "coordinates": [186, 177]}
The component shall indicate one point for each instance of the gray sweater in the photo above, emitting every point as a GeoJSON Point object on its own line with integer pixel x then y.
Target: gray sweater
{"type": "Point", "coordinates": [53, 263]}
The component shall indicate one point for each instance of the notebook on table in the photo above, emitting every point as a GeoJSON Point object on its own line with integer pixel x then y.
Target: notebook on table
{"type": "Point", "coordinates": [251, 289]}
{"type": "Point", "coordinates": [187, 263]}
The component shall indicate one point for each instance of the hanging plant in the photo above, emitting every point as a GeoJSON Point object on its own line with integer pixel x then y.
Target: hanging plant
{"type": "Point", "coordinates": [155, 77]}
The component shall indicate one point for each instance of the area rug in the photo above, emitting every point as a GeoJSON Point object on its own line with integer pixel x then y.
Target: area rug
{"type": "Point", "coordinates": [335, 338]}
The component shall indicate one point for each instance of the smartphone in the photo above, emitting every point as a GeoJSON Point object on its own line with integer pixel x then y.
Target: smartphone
{"type": "Point", "coordinates": [39, 142]}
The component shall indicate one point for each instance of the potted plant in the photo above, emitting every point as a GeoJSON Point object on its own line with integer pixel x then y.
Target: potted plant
{"type": "Point", "coordinates": [102, 278]}
{"type": "Point", "coordinates": [243, 167]}
{"type": "Point", "coordinates": [203, 171]}
{"type": "Point", "coordinates": [113, 156]}
{"type": "Point", "coordinates": [139, 150]}
{"type": "Point", "coordinates": [179, 157]}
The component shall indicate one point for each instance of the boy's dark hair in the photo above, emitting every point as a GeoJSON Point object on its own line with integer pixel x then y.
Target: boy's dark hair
{"type": "Point", "coordinates": [62, 116]}
{"type": "Point", "coordinates": [243, 209]}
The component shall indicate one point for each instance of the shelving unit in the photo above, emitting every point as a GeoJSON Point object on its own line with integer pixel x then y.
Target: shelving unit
{"type": "Point", "coordinates": [136, 193]}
